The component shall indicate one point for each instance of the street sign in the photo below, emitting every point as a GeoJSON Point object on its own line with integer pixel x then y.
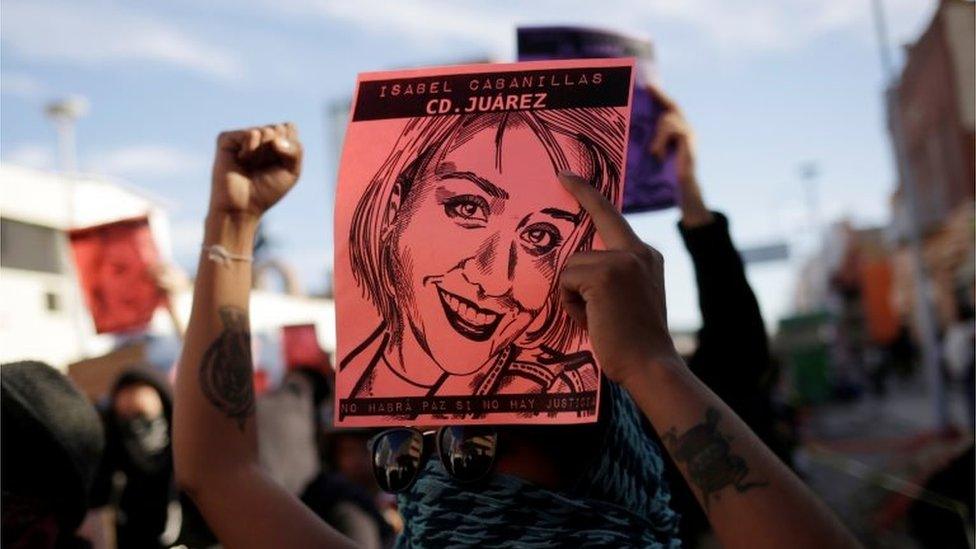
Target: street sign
{"type": "Point", "coordinates": [779, 251]}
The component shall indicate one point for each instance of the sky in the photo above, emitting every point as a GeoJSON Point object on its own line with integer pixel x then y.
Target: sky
{"type": "Point", "coordinates": [768, 85]}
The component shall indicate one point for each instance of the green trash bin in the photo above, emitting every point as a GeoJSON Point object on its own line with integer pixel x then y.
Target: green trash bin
{"type": "Point", "coordinates": [802, 345]}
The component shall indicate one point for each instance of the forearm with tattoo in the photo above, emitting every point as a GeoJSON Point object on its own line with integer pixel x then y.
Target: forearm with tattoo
{"type": "Point", "coordinates": [226, 370]}
{"type": "Point", "coordinates": [706, 452]}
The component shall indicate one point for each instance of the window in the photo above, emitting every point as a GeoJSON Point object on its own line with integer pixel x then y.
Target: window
{"type": "Point", "coordinates": [30, 247]}
{"type": "Point", "coordinates": [52, 301]}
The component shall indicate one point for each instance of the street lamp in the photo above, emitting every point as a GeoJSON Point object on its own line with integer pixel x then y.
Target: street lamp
{"type": "Point", "coordinates": [64, 113]}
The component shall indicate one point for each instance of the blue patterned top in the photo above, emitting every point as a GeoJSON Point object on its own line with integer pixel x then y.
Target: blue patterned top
{"type": "Point", "coordinates": [620, 501]}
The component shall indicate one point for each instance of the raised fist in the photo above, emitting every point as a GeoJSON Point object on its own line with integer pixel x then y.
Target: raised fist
{"type": "Point", "coordinates": [253, 168]}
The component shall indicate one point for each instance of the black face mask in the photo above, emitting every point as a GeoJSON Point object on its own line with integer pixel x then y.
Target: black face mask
{"type": "Point", "coordinates": [146, 442]}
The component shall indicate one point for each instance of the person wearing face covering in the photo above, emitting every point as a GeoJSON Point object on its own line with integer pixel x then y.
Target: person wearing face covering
{"type": "Point", "coordinates": [138, 420]}
{"type": "Point", "coordinates": [137, 423]}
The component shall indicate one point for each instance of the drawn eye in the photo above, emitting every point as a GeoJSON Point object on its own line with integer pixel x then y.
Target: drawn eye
{"type": "Point", "coordinates": [541, 238]}
{"type": "Point", "coordinates": [467, 208]}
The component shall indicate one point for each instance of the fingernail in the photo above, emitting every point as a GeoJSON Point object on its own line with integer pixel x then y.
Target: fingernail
{"type": "Point", "coordinates": [566, 175]}
{"type": "Point", "coordinates": [283, 143]}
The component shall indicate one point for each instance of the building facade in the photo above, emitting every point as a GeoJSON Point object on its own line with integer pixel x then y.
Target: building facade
{"type": "Point", "coordinates": [42, 313]}
{"type": "Point", "coordinates": [936, 107]}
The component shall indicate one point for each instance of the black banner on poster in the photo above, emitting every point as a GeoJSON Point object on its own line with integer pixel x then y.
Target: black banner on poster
{"type": "Point", "coordinates": [474, 404]}
{"type": "Point", "coordinates": [494, 91]}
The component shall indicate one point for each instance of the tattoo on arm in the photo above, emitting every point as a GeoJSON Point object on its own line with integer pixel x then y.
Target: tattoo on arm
{"type": "Point", "coordinates": [707, 454]}
{"type": "Point", "coordinates": [225, 371]}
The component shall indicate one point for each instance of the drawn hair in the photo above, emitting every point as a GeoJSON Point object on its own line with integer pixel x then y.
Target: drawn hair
{"type": "Point", "coordinates": [600, 137]}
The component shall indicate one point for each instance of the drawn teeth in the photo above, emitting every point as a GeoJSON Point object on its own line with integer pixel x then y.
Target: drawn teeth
{"type": "Point", "coordinates": [469, 314]}
{"type": "Point", "coordinates": [480, 319]}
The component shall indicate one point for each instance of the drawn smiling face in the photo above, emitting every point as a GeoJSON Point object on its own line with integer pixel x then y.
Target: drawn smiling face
{"type": "Point", "coordinates": [478, 245]}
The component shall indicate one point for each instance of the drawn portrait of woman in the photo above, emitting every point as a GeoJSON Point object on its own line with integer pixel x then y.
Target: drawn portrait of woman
{"type": "Point", "coordinates": [458, 242]}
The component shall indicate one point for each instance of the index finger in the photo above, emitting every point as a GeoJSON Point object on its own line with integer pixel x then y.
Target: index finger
{"type": "Point", "coordinates": [610, 224]}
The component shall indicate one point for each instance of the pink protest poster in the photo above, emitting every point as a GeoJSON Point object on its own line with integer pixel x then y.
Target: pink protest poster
{"type": "Point", "coordinates": [451, 230]}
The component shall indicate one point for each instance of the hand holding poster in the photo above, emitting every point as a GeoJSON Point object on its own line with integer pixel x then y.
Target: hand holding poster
{"type": "Point", "coordinates": [451, 231]}
{"type": "Point", "coordinates": [113, 263]}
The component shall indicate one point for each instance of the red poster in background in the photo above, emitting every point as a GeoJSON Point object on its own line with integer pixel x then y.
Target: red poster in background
{"type": "Point", "coordinates": [302, 348]}
{"type": "Point", "coordinates": [113, 263]}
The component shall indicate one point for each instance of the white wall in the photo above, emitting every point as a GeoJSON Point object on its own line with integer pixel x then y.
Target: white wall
{"type": "Point", "coordinates": [28, 330]}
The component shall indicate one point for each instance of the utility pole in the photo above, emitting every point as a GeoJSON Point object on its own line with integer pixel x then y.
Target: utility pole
{"type": "Point", "coordinates": [64, 113]}
{"type": "Point", "coordinates": [924, 309]}
{"type": "Point", "coordinates": [810, 175]}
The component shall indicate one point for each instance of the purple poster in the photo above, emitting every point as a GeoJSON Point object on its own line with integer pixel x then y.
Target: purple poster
{"type": "Point", "coordinates": [651, 184]}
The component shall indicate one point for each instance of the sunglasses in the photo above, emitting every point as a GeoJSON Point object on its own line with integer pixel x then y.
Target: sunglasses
{"type": "Point", "coordinates": [398, 455]}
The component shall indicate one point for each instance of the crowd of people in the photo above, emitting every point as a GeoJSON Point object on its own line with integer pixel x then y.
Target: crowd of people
{"type": "Point", "coordinates": [683, 445]}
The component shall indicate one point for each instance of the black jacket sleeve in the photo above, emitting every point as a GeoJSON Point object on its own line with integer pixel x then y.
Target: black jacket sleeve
{"type": "Point", "coordinates": [732, 357]}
